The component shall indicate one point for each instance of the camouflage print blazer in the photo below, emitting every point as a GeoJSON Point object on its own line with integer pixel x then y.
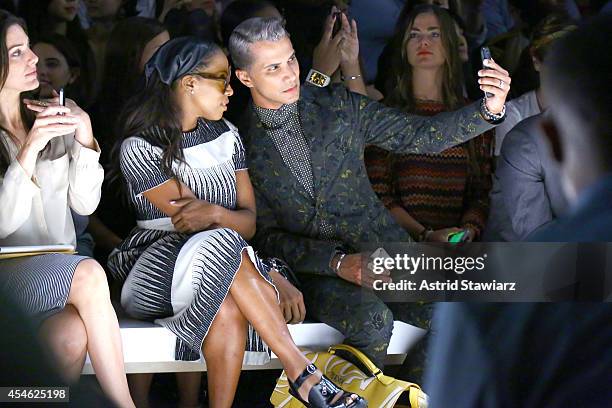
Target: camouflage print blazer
{"type": "Point", "coordinates": [337, 125]}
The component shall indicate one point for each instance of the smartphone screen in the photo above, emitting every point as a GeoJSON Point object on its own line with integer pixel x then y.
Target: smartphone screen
{"type": "Point", "coordinates": [457, 237]}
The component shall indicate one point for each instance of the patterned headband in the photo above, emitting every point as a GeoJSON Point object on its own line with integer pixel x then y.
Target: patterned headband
{"type": "Point", "coordinates": [176, 58]}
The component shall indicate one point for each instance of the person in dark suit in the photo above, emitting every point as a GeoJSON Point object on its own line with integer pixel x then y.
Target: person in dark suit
{"type": "Point", "coordinates": [547, 355]}
{"type": "Point", "coordinates": [527, 192]}
{"type": "Point", "coordinates": [305, 147]}
{"type": "Point", "coordinates": [578, 129]}
{"type": "Point", "coordinates": [521, 355]}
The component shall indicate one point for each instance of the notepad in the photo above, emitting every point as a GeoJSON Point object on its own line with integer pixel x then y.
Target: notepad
{"type": "Point", "coordinates": [30, 250]}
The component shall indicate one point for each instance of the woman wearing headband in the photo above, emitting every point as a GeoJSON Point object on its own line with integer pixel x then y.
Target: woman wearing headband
{"type": "Point", "coordinates": [48, 166]}
{"type": "Point", "coordinates": [187, 264]}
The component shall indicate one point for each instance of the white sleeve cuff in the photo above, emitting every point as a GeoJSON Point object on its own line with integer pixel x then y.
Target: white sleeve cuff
{"type": "Point", "coordinates": [85, 157]}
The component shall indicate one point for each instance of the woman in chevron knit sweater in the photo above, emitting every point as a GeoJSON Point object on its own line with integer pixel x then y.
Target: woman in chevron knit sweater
{"type": "Point", "coordinates": [432, 195]}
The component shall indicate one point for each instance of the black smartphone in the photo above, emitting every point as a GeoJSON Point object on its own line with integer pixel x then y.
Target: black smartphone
{"type": "Point", "coordinates": [485, 53]}
{"type": "Point", "coordinates": [337, 23]}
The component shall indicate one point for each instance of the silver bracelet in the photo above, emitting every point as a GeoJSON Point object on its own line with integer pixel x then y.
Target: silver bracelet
{"type": "Point", "coordinates": [350, 77]}
{"type": "Point", "coordinates": [337, 268]}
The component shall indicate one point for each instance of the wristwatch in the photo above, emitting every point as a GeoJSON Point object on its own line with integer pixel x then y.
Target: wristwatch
{"type": "Point", "coordinates": [317, 78]}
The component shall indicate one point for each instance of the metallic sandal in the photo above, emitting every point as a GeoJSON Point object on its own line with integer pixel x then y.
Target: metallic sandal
{"type": "Point", "coordinates": [322, 394]}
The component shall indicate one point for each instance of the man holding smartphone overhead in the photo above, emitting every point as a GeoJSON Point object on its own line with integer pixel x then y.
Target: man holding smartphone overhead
{"type": "Point", "coordinates": [315, 205]}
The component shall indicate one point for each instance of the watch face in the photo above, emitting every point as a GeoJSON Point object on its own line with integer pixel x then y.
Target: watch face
{"type": "Point", "coordinates": [317, 79]}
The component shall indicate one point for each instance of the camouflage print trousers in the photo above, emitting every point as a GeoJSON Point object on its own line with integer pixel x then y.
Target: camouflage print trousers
{"type": "Point", "coordinates": [364, 319]}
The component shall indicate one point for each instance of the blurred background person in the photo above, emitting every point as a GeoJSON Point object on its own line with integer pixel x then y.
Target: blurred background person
{"type": "Point", "coordinates": [103, 15]}
{"type": "Point", "coordinates": [46, 17]}
{"type": "Point", "coordinates": [131, 43]}
{"type": "Point", "coordinates": [532, 101]}
{"type": "Point", "coordinates": [59, 67]}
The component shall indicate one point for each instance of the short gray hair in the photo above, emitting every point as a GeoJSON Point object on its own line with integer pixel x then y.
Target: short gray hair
{"type": "Point", "coordinates": [251, 31]}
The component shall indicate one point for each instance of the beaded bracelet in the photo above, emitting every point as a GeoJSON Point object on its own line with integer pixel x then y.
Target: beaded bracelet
{"type": "Point", "coordinates": [489, 116]}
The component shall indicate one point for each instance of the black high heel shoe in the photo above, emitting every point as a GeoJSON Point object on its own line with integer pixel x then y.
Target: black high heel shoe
{"type": "Point", "coordinates": [322, 394]}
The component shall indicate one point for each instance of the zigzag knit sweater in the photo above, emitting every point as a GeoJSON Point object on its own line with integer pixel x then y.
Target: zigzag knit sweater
{"type": "Point", "coordinates": [438, 190]}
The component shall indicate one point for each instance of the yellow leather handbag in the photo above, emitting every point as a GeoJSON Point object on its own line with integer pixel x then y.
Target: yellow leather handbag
{"type": "Point", "coordinates": [380, 390]}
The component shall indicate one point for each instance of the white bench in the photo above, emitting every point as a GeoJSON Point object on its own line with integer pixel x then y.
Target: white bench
{"type": "Point", "coordinates": [149, 348]}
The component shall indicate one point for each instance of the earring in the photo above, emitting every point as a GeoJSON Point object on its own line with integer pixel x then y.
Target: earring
{"type": "Point", "coordinates": [192, 91]}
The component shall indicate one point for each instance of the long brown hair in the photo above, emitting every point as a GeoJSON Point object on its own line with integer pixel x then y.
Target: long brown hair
{"type": "Point", "coordinates": [401, 93]}
{"type": "Point", "coordinates": [27, 117]}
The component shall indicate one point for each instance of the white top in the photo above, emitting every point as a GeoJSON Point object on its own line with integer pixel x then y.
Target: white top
{"type": "Point", "coordinates": [517, 110]}
{"type": "Point", "coordinates": [36, 211]}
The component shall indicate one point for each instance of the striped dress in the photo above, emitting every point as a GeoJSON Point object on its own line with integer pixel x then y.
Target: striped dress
{"type": "Point", "coordinates": [179, 280]}
{"type": "Point", "coordinates": [438, 190]}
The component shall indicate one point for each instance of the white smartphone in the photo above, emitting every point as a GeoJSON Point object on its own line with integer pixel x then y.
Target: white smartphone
{"type": "Point", "coordinates": [62, 98]}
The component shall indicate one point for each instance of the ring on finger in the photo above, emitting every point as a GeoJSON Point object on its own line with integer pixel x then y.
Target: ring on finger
{"type": "Point", "coordinates": [501, 84]}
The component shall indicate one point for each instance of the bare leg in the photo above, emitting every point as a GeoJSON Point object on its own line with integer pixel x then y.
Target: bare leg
{"type": "Point", "coordinates": [90, 296]}
{"type": "Point", "coordinates": [65, 336]}
{"type": "Point", "coordinates": [189, 389]}
{"type": "Point", "coordinates": [224, 351]}
{"type": "Point", "coordinates": [140, 385]}
{"type": "Point", "coordinates": [257, 301]}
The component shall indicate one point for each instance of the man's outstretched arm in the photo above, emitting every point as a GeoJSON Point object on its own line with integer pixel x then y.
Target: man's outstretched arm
{"type": "Point", "coordinates": [401, 132]}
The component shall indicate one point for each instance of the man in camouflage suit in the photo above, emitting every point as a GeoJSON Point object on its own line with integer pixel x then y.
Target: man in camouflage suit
{"type": "Point", "coordinates": [315, 204]}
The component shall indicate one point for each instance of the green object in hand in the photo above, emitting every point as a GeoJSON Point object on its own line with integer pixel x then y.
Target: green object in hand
{"type": "Point", "coordinates": [457, 237]}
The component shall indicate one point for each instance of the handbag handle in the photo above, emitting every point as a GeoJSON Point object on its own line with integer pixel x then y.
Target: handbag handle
{"type": "Point", "coordinates": [363, 359]}
{"type": "Point", "coordinates": [417, 397]}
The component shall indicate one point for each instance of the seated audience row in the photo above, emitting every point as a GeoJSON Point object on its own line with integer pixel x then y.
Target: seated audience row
{"type": "Point", "coordinates": [159, 104]}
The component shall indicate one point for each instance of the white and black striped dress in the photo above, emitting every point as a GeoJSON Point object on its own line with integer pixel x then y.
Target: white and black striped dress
{"type": "Point", "coordinates": [38, 285]}
{"type": "Point", "coordinates": [179, 280]}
